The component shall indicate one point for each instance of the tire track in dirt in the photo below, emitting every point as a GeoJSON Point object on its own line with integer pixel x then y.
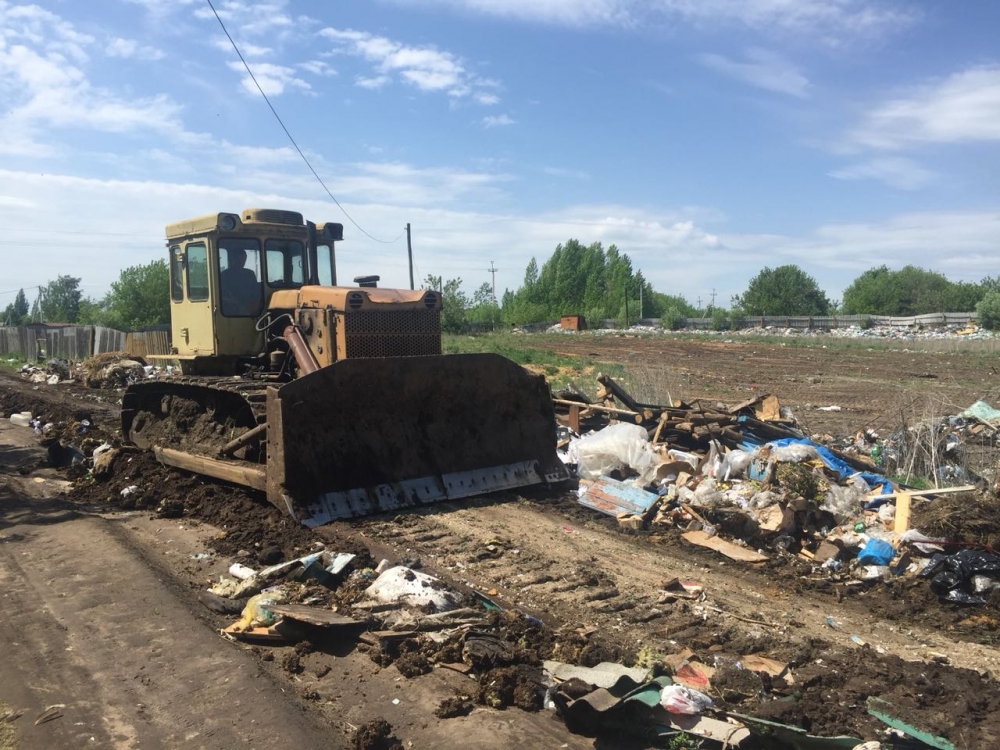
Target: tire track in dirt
{"type": "Point", "coordinates": [583, 574]}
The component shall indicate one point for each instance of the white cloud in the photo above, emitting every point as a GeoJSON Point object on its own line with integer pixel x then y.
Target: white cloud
{"type": "Point", "coordinates": [562, 12]}
{"type": "Point", "coordinates": [896, 172]}
{"type": "Point", "coordinates": [372, 83]}
{"type": "Point", "coordinates": [425, 68]}
{"type": "Point", "coordinates": [576, 174]}
{"type": "Point", "coordinates": [273, 79]}
{"type": "Point", "coordinates": [964, 107]}
{"type": "Point", "coordinates": [129, 48]}
{"type": "Point", "coordinates": [41, 66]}
{"type": "Point", "coordinates": [248, 49]}
{"type": "Point", "coordinates": [833, 21]}
{"type": "Point", "coordinates": [498, 121]}
{"type": "Point", "coordinates": [673, 249]}
{"type": "Point", "coordinates": [317, 67]}
{"type": "Point", "coordinates": [960, 244]}
{"type": "Point", "coordinates": [248, 18]}
{"type": "Point", "coordinates": [764, 69]}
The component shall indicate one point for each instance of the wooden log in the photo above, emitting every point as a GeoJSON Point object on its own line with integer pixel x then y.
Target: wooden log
{"type": "Point", "coordinates": [237, 472]}
{"type": "Point", "coordinates": [619, 393]}
{"type": "Point", "coordinates": [598, 408]}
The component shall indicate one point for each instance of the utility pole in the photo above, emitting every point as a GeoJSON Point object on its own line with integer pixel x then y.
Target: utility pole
{"type": "Point", "coordinates": [409, 253]}
{"type": "Point", "coordinates": [713, 298]}
{"type": "Point", "coordinates": [493, 272]}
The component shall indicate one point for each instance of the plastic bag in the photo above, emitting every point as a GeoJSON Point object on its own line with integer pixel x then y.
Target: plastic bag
{"type": "Point", "coordinates": [793, 453]}
{"type": "Point", "coordinates": [256, 614]}
{"type": "Point", "coordinates": [678, 699]}
{"type": "Point", "coordinates": [843, 502]}
{"type": "Point", "coordinates": [617, 445]}
{"type": "Point", "coordinates": [951, 575]}
{"type": "Point", "coordinates": [734, 465]}
{"type": "Point", "coordinates": [876, 552]}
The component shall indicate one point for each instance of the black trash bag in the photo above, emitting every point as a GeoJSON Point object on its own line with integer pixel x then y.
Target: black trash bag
{"type": "Point", "coordinates": [952, 574]}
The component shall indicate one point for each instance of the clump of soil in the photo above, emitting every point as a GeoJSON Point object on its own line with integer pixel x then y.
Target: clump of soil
{"type": "Point", "coordinates": [519, 685]}
{"type": "Point", "coordinates": [453, 707]}
{"type": "Point", "coordinates": [736, 684]}
{"type": "Point", "coordinates": [969, 517]}
{"type": "Point", "coordinates": [292, 664]}
{"type": "Point", "coordinates": [376, 735]}
{"type": "Point", "coordinates": [412, 665]}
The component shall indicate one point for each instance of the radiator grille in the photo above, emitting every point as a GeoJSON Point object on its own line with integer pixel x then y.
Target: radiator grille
{"type": "Point", "coordinates": [402, 333]}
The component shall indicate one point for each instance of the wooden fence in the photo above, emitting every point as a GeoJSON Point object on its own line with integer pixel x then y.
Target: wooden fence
{"type": "Point", "coordinates": [76, 343]}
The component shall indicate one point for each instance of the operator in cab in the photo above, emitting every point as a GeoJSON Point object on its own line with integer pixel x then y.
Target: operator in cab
{"type": "Point", "coordinates": [240, 287]}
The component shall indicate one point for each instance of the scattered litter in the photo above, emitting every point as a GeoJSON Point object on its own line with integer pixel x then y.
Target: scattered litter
{"type": "Point", "coordinates": [678, 699]}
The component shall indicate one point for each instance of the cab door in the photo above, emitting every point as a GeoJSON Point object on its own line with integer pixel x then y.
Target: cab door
{"type": "Point", "coordinates": [193, 325]}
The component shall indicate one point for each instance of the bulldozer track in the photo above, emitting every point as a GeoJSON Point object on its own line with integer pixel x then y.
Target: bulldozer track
{"type": "Point", "coordinates": [233, 406]}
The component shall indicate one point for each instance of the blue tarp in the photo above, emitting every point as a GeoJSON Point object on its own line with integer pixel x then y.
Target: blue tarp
{"type": "Point", "coordinates": [842, 468]}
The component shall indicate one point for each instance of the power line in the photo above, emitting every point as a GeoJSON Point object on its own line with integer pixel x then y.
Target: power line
{"type": "Point", "coordinates": [292, 140]}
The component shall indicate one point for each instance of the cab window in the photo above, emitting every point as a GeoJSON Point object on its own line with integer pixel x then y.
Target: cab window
{"type": "Point", "coordinates": [324, 265]}
{"type": "Point", "coordinates": [284, 260]}
{"type": "Point", "coordinates": [176, 274]}
{"type": "Point", "coordinates": [197, 272]}
{"type": "Point", "coordinates": [239, 276]}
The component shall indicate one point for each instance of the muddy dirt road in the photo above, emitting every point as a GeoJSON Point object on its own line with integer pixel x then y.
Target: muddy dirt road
{"type": "Point", "coordinates": [118, 589]}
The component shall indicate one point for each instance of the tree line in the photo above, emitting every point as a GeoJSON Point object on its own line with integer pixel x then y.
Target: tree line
{"type": "Point", "coordinates": [590, 280]}
{"type": "Point", "coordinates": [138, 298]}
{"type": "Point", "coordinates": [602, 284]}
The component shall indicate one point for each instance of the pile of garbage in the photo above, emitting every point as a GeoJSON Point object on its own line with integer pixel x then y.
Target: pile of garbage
{"type": "Point", "coordinates": [747, 483]}
{"type": "Point", "coordinates": [110, 370]}
{"type": "Point", "coordinates": [51, 373]}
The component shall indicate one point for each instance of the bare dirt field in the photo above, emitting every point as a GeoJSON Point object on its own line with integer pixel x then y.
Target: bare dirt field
{"type": "Point", "coordinates": [101, 596]}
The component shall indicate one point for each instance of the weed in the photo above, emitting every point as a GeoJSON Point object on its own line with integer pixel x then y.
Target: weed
{"type": "Point", "coordinates": [13, 361]}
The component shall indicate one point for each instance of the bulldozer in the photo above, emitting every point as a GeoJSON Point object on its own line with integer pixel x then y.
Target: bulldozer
{"type": "Point", "coordinates": [334, 401]}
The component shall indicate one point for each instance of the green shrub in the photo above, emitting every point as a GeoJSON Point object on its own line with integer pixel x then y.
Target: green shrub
{"type": "Point", "coordinates": [988, 311]}
{"type": "Point", "coordinates": [673, 318]}
{"type": "Point", "coordinates": [721, 320]}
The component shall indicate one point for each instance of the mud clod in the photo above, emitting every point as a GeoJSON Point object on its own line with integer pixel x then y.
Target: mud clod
{"type": "Point", "coordinates": [454, 707]}
{"type": "Point", "coordinates": [413, 665]}
{"type": "Point", "coordinates": [376, 735]}
{"type": "Point", "coordinates": [292, 664]}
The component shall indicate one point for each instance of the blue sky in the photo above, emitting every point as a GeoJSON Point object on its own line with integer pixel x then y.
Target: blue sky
{"type": "Point", "coordinates": [706, 138]}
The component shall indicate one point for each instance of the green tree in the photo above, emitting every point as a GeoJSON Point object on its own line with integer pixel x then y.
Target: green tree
{"type": "Point", "coordinates": [60, 300]}
{"type": "Point", "coordinates": [910, 291]}
{"type": "Point", "coordinates": [785, 290]}
{"type": "Point", "coordinates": [453, 302]}
{"type": "Point", "coordinates": [988, 311]}
{"type": "Point", "coordinates": [16, 313]}
{"type": "Point", "coordinates": [483, 311]}
{"type": "Point", "coordinates": [91, 312]}
{"type": "Point", "coordinates": [140, 297]}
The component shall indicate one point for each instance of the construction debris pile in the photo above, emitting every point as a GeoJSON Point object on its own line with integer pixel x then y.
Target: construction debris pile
{"type": "Point", "coordinates": [747, 483]}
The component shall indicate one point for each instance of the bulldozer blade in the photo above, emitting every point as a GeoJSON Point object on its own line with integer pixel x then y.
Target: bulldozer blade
{"type": "Point", "coordinates": [366, 436]}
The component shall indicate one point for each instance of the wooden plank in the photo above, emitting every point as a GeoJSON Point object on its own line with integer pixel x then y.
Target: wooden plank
{"type": "Point", "coordinates": [375, 637]}
{"type": "Point", "coordinates": [311, 615]}
{"type": "Point", "coordinates": [924, 493]}
{"type": "Point", "coordinates": [902, 520]}
{"type": "Point", "coordinates": [614, 498]}
{"type": "Point", "coordinates": [730, 550]}
{"type": "Point", "coordinates": [254, 634]}
{"type": "Point", "coordinates": [574, 418]}
{"type": "Point", "coordinates": [236, 472]}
